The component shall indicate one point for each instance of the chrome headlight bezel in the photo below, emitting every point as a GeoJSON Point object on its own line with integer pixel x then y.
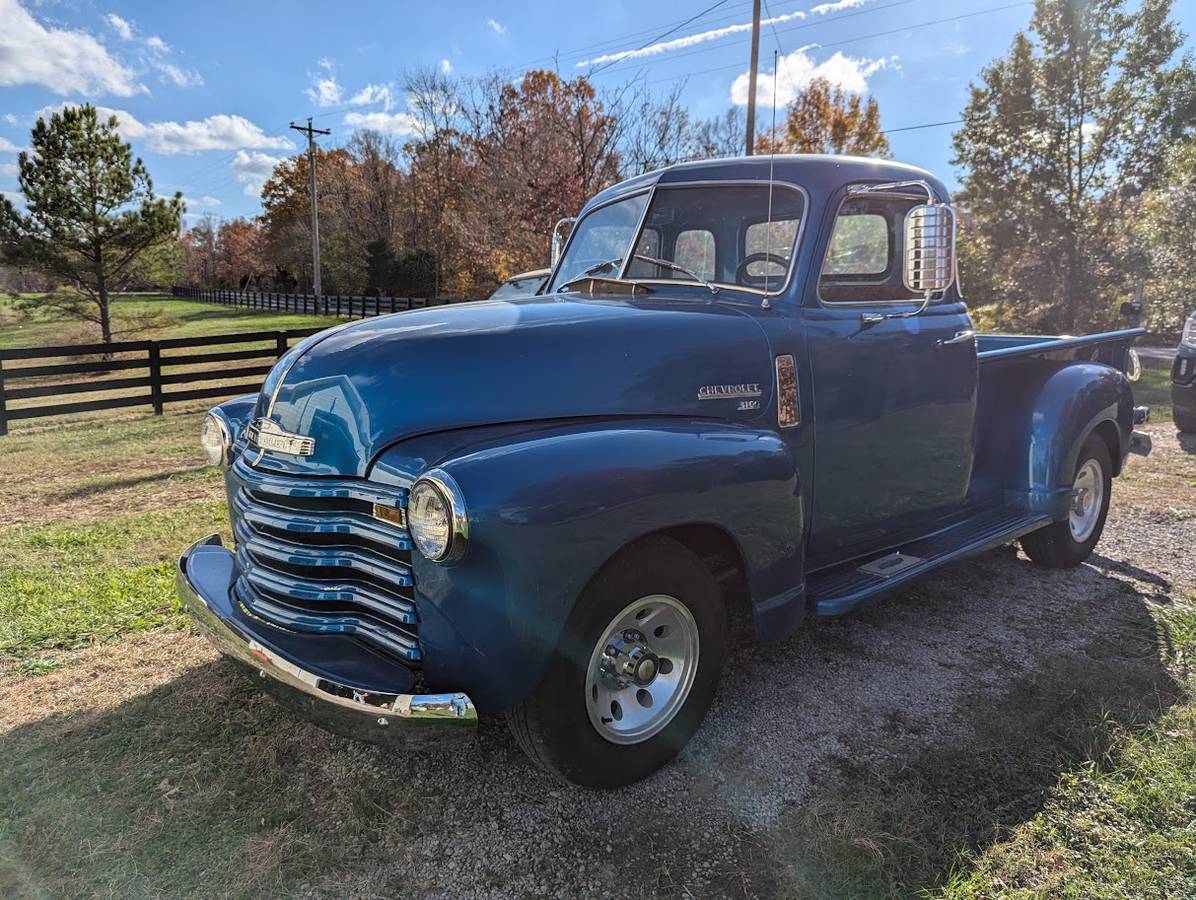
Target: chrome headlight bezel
{"type": "Point", "coordinates": [453, 501]}
{"type": "Point", "coordinates": [216, 452]}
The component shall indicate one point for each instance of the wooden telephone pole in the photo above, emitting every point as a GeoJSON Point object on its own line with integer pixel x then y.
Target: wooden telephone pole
{"type": "Point", "coordinates": [315, 215]}
{"type": "Point", "coordinates": [751, 110]}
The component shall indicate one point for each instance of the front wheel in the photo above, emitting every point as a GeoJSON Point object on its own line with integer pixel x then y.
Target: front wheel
{"type": "Point", "coordinates": [635, 672]}
{"type": "Point", "coordinates": [1062, 545]}
{"type": "Point", "coordinates": [1184, 421]}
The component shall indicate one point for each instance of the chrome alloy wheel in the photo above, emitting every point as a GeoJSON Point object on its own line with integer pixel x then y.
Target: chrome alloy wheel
{"type": "Point", "coordinates": [642, 669]}
{"type": "Point", "coordinates": [1087, 497]}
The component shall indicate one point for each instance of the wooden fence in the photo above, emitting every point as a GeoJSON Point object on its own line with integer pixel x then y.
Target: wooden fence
{"type": "Point", "coordinates": [152, 373]}
{"type": "Point", "coordinates": [340, 305]}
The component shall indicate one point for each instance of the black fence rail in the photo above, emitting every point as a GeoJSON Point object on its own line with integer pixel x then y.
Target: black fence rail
{"type": "Point", "coordinates": [340, 305]}
{"type": "Point", "coordinates": [150, 373]}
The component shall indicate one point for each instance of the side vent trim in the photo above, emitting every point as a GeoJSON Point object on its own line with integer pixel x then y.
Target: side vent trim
{"type": "Point", "coordinates": [788, 405]}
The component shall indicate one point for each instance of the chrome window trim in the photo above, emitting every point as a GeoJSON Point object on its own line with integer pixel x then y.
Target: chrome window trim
{"type": "Point", "coordinates": [853, 193]}
{"type": "Point", "coordinates": [577, 227]}
{"type": "Point", "coordinates": [731, 182]}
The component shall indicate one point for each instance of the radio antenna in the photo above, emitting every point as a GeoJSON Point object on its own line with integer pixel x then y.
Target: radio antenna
{"type": "Point", "coordinates": [772, 156]}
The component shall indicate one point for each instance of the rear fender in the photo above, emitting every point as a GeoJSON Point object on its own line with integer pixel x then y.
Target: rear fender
{"type": "Point", "coordinates": [548, 508]}
{"type": "Point", "coordinates": [1074, 402]}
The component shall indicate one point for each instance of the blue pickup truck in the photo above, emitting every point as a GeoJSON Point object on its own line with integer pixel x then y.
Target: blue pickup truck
{"type": "Point", "coordinates": [748, 381]}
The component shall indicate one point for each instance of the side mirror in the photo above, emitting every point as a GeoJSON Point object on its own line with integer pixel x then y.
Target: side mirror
{"type": "Point", "coordinates": [929, 248]}
{"type": "Point", "coordinates": [557, 244]}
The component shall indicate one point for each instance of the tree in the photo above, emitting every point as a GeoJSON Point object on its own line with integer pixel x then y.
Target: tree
{"type": "Point", "coordinates": [239, 259]}
{"type": "Point", "coordinates": [1162, 237]}
{"type": "Point", "coordinates": [1060, 140]}
{"type": "Point", "coordinates": [91, 211]}
{"type": "Point", "coordinates": [826, 119]}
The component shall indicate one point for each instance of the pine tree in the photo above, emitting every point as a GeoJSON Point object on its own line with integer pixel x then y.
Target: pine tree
{"type": "Point", "coordinates": [91, 212]}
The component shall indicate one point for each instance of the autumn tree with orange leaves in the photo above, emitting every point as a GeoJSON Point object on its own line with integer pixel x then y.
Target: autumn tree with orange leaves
{"type": "Point", "coordinates": [827, 119]}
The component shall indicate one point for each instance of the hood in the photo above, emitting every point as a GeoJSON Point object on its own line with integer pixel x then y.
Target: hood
{"type": "Point", "coordinates": [359, 388]}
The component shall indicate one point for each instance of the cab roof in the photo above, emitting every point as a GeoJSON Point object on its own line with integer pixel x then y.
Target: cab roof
{"type": "Point", "coordinates": [818, 173]}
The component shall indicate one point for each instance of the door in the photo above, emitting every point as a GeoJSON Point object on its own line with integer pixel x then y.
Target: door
{"type": "Point", "coordinates": [894, 400]}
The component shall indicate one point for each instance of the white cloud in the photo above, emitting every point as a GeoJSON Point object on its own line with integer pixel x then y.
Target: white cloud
{"type": "Point", "coordinates": [11, 118]}
{"type": "Point", "coordinates": [156, 44]}
{"type": "Point", "coordinates": [66, 62]}
{"type": "Point", "coordinates": [325, 90]}
{"type": "Point", "coordinates": [446, 67]}
{"type": "Point", "coordinates": [797, 69]}
{"type": "Point", "coordinates": [180, 77]}
{"type": "Point", "coordinates": [715, 33]}
{"type": "Point", "coordinates": [252, 169]}
{"type": "Point", "coordinates": [7, 146]}
{"type": "Point", "coordinates": [401, 124]}
{"type": "Point", "coordinates": [120, 26]}
{"type": "Point", "coordinates": [374, 93]}
{"type": "Point", "coordinates": [204, 202]}
{"type": "Point", "coordinates": [217, 132]}
{"type": "Point", "coordinates": [9, 169]}
{"type": "Point", "coordinates": [496, 27]}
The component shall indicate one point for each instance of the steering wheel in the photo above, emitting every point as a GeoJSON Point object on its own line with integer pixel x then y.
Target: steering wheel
{"type": "Point", "coordinates": [742, 276]}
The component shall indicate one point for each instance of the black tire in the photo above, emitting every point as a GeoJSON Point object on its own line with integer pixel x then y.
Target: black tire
{"type": "Point", "coordinates": [1054, 546]}
{"type": "Point", "coordinates": [553, 726]}
{"type": "Point", "coordinates": [1185, 422]}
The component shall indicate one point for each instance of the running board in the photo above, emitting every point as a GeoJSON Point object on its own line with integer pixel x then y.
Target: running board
{"type": "Point", "coordinates": [842, 588]}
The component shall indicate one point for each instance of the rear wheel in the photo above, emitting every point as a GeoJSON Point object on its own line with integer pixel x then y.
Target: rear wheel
{"type": "Point", "coordinates": [635, 672]}
{"type": "Point", "coordinates": [1062, 545]}
{"type": "Point", "coordinates": [1185, 422]}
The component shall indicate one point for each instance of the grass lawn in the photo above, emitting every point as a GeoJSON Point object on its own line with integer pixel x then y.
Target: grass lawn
{"type": "Point", "coordinates": [141, 316]}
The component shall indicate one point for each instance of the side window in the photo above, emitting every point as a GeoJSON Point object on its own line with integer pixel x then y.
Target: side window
{"type": "Point", "coordinates": [863, 256]}
{"type": "Point", "coordinates": [695, 251]}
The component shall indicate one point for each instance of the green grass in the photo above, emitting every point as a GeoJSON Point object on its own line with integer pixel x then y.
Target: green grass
{"type": "Point", "coordinates": [146, 315]}
{"type": "Point", "coordinates": [1153, 389]}
{"type": "Point", "coordinates": [1126, 829]}
{"type": "Point", "coordinates": [70, 585]}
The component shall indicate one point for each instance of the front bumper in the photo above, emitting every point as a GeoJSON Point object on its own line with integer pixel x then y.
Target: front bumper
{"type": "Point", "coordinates": [357, 707]}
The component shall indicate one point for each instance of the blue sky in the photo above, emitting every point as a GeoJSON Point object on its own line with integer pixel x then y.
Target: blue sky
{"type": "Point", "coordinates": [205, 92]}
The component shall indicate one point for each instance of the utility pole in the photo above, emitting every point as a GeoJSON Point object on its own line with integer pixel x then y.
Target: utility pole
{"type": "Point", "coordinates": [315, 215]}
{"type": "Point", "coordinates": [751, 111]}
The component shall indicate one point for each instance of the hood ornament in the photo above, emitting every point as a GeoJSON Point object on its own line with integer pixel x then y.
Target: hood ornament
{"type": "Point", "coordinates": [266, 434]}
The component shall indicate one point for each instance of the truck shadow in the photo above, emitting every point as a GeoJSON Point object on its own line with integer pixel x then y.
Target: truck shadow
{"type": "Point", "coordinates": [858, 758]}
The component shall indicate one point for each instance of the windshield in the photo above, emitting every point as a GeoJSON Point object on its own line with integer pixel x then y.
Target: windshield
{"type": "Point", "coordinates": [720, 233]}
{"type": "Point", "coordinates": [603, 235]}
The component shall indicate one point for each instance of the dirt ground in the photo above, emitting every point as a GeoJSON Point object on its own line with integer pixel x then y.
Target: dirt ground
{"type": "Point", "coordinates": [856, 758]}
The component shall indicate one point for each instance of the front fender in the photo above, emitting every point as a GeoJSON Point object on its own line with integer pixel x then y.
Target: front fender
{"type": "Point", "coordinates": [1072, 403]}
{"type": "Point", "coordinates": [548, 507]}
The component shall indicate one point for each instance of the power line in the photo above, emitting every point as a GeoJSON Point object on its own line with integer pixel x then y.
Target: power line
{"type": "Point", "coordinates": [858, 38]}
{"type": "Point", "coordinates": [315, 207]}
{"type": "Point", "coordinates": [659, 37]}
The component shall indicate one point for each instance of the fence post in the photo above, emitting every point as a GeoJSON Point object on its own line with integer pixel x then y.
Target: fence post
{"type": "Point", "coordinates": [392, 303]}
{"type": "Point", "coordinates": [280, 343]}
{"type": "Point", "coordinates": [155, 367]}
{"type": "Point", "coordinates": [3, 408]}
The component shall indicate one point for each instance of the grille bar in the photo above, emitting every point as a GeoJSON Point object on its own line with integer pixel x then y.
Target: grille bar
{"type": "Point", "coordinates": [313, 559]}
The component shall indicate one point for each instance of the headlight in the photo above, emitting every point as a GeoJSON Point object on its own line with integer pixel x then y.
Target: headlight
{"type": "Point", "coordinates": [1189, 338]}
{"type": "Point", "coordinates": [436, 517]}
{"type": "Point", "coordinates": [215, 440]}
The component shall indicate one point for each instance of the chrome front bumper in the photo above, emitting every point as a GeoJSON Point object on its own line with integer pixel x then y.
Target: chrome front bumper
{"type": "Point", "coordinates": [206, 572]}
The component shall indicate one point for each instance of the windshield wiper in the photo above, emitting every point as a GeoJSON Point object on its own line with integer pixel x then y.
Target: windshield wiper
{"type": "Point", "coordinates": [666, 264]}
{"type": "Point", "coordinates": [592, 270]}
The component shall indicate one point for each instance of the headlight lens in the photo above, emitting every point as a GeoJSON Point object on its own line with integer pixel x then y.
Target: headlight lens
{"type": "Point", "coordinates": [215, 440]}
{"type": "Point", "coordinates": [431, 519]}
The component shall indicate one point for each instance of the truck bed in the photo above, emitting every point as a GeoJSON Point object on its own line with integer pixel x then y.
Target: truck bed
{"type": "Point", "coordinates": [1008, 346]}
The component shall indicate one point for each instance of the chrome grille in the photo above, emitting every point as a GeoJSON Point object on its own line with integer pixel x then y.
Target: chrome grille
{"type": "Point", "coordinates": [313, 558]}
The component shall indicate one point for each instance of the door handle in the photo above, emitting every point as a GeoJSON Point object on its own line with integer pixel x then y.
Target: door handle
{"type": "Point", "coordinates": [961, 337]}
